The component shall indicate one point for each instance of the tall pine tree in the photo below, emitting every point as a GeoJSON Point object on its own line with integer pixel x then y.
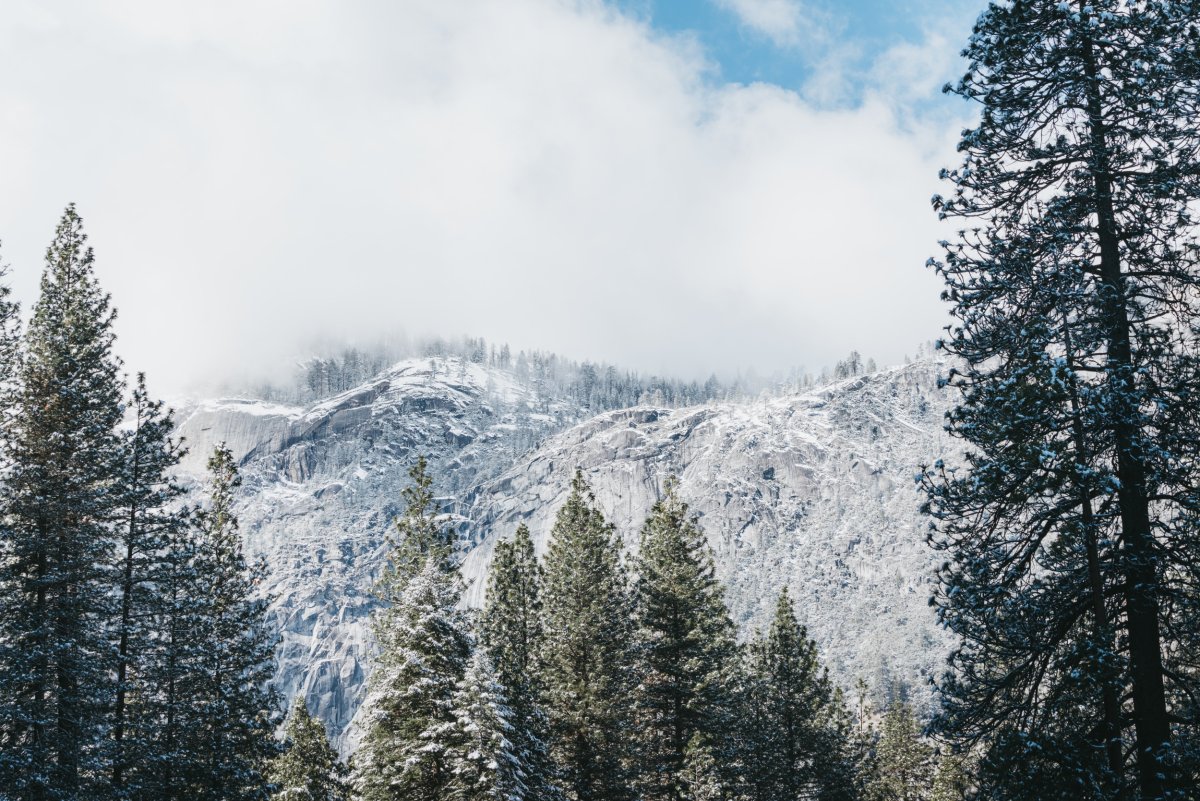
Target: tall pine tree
{"type": "Point", "coordinates": [58, 500]}
{"type": "Point", "coordinates": [424, 645]}
{"type": "Point", "coordinates": [1070, 539]}
{"type": "Point", "coordinates": [512, 632]}
{"type": "Point", "coordinates": [791, 750]}
{"type": "Point", "coordinates": [586, 657]}
{"type": "Point", "coordinates": [151, 517]}
{"type": "Point", "coordinates": [685, 649]}
{"type": "Point", "coordinates": [234, 739]}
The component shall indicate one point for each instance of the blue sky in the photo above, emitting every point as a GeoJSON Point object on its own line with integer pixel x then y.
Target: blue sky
{"type": "Point", "coordinates": [850, 32]}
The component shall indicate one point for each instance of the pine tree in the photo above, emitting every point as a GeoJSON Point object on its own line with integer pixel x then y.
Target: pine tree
{"type": "Point", "coordinates": [308, 768]}
{"type": "Point", "coordinates": [235, 740]}
{"type": "Point", "coordinates": [791, 751]}
{"type": "Point", "coordinates": [512, 633]}
{"type": "Point", "coordinates": [585, 662]}
{"type": "Point", "coordinates": [904, 766]}
{"type": "Point", "coordinates": [952, 779]}
{"type": "Point", "coordinates": [419, 535]}
{"type": "Point", "coordinates": [424, 647]}
{"type": "Point", "coordinates": [151, 518]}
{"type": "Point", "coordinates": [1071, 557]}
{"type": "Point", "coordinates": [701, 778]}
{"type": "Point", "coordinates": [10, 356]}
{"type": "Point", "coordinates": [486, 763]}
{"type": "Point", "coordinates": [685, 648]}
{"type": "Point", "coordinates": [57, 500]}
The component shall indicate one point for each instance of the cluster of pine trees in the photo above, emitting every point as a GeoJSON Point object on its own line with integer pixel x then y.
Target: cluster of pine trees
{"type": "Point", "coordinates": [133, 657]}
{"type": "Point", "coordinates": [586, 679]}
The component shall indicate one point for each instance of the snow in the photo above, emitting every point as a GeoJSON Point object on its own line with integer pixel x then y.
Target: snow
{"type": "Point", "coordinates": [811, 491]}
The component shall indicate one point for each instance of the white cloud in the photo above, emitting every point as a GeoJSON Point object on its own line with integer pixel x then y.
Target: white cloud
{"type": "Point", "coordinates": [553, 174]}
{"type": "Point", "coordinates": [779, 20]}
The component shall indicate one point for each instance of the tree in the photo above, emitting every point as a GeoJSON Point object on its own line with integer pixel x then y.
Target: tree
{"type": "Point", "coordinates": [10, 355]}
{"type": "Point", "coordinates": [234, 741]}
{"type": "Point", "coordinates": [904, 766]}
{"type": "Point", "coordinates": [151, 519]}
{"type": "Point", "coordinates": [57, 502]}
{"type": "Point", "coordinates": [585, 660]}
{"type": "Point", "coordinates": [424, 646]}
{"type": "Point", "coordinates": [791, 750]}
{"type": "Point", "coordinates": [308, 768]}
{"type": "Point", "coordinates": [419, 535]}
{"type": "Point", "coordinates": [512, 633]}
{"type": "Point", "coordinates": [685, 648]}
{"type": "Point", "coordinates": [1071, 557]}
{"type": "Point", "coordinates": [487, 763]}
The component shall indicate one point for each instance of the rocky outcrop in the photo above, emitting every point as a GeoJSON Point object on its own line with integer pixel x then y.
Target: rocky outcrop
{"type": "Point", "coordinates": [811, 491]}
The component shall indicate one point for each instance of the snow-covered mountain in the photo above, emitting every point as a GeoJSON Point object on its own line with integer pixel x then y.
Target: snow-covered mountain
{"type": "Point", "coordinates": [810, 491]}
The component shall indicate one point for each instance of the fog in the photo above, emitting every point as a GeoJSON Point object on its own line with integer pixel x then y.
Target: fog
{"type": "Point", "coordinates": [256, 178]}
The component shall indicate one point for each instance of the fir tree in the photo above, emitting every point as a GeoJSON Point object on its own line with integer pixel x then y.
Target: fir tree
{"type": "Point", "coordinates": [791, 752]}
{"type": "Point", "coordinates": [419, 535]}
{"type": "Point", "coordinates": [512, 632]}
{"type": "Point", "coordinates": [585, 662]}
{"type": "Point", "coordinates": [10, 354]}
{"type": "Point", "coordinates": [487, 763]}
{"type": "Point", "coordinates": [685, 648]}
{"type": "Point", "coordinates": [1070, 554]}
{"type": "Point", "coordinates": [904, 765]}
{"type": "Point", "coordinates": [58, 498]}
{"type": "Point", "coordinates": [234, 741]}
{"type": "Point", "coordinates": [151, 518]}
{"type": "Point", "coordinates": [424, 646]}
{"type": "Point", "coordinates": [308, 768]}
{"type": "Point", "coordinates": [701, 778]}
{"type": "Point", "coordinates": [952, 779]}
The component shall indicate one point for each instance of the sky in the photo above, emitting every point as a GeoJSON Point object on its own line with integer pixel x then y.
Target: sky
{"type": "Point", "coordinates": [677, 186]}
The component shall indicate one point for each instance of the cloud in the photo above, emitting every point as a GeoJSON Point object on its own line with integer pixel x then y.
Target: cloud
{"type": "Point", "coordinates": [780, 20]}
{"type": "Point", "coordinates": [554, 174]}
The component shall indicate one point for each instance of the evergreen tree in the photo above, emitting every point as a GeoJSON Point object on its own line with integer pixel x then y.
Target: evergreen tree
{"type": "Point", "coordinates": [952, 779]}
{"type": "Point", "coordinates": [151, 516]}
{"type": "Point", "coordinates": [791, 750]}
{"type": "Point", "coordinates": [419, 535]}
{"type": "Point", "coordinates": [487, 763]}
{"type": "Point", "coordinates": [701, 778]}
{"type": "Point", "coordinates": [57, 501]}
{"type": "Point", "coordinates": [904, 765]}
{"type": "Point", "coordinates": [234, 738]}
{"type": "Point", "coordinates": [1071, 537]}
{"type": "Point", "coordinates": [585, 661]}
{"type": "Point", "coordinates": [512, 632]}
{"type": "Point", "coordinates": [308, 768]}
{"type": "Point", "coordinates": [685, 648]}
{"type": "Point", "coordinates": [10, 355]}
{"type": "Point", "coordinates": [407, 750]}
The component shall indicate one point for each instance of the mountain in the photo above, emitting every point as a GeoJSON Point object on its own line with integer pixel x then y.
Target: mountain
{"type": "Point", "coordinates": [813, 491]}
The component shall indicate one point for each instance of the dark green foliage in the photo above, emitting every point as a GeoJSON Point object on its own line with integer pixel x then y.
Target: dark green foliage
{"type": "Point", "coordinates": [586, 659]}
{"type": "Point", "coordinates": [1070, 537]}
{"type": "Point", "coordinates": [512, 632]}
{"type": "Point", "coordinates": [232, 742]}
{"type": "Point", "coordinates": [408, 748]}
{"type": "Point", "coordinates": [59, 494]}
{"type": "Point", "coordinates": [308, 768]}
{"type": "Point", "coordinates": [793, 724]}
{"type": "Point", "coordinates": [151, 523]}
{"type": "Point", "coordinates": [685, 651]}
{"type": "Point", "coordinates": [904, 765]}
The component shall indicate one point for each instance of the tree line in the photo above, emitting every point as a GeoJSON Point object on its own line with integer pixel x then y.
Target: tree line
{"type": "Point", "coordinates": [591, 677]}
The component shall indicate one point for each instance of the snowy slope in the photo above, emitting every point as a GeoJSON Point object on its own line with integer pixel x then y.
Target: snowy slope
{"type": "Point", "coordinates": [810, 491]}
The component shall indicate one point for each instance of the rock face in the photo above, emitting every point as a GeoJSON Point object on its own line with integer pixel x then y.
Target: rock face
{"type": "Point", "coordinates": [814, 492]}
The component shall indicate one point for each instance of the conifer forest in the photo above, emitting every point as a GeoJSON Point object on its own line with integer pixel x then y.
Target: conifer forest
{"type": "Point", "coordinates": [455, 570]}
